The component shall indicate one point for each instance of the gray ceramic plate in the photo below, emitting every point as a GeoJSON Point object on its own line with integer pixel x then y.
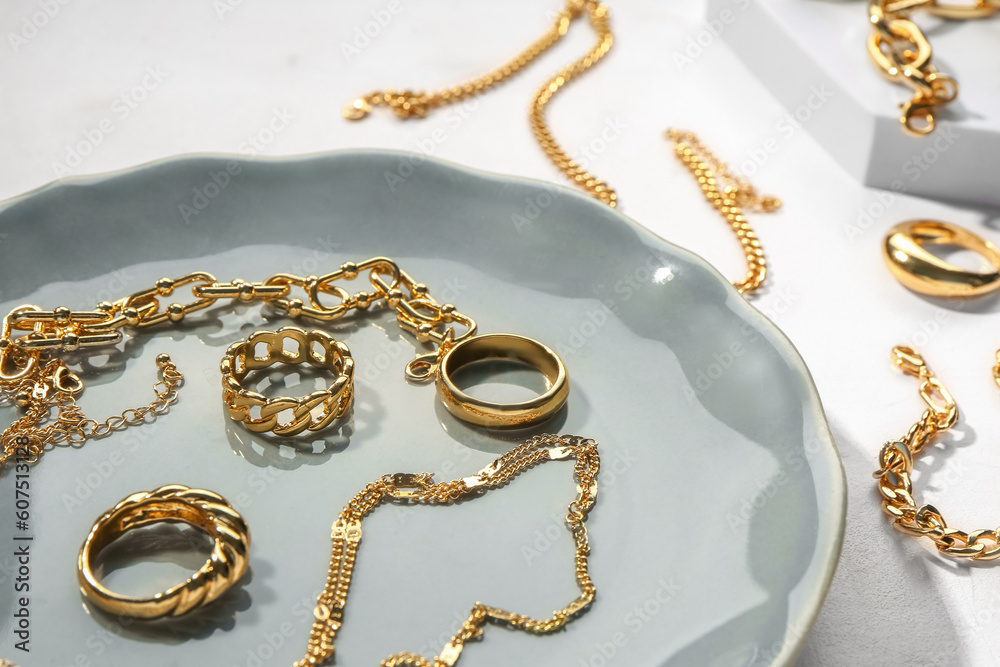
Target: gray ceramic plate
{"type": "Point", "coordinates": [722, 500]}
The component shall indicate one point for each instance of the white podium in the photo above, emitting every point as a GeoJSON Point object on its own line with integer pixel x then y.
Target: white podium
{"type": "Point", "coordinates": [799, 47]}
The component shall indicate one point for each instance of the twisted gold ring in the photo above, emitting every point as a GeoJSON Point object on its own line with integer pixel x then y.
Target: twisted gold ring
{"type": "Point", "coordinates": [175, 504]}
{"type": "Point", "coordinates": [316, 348]}
{"type": "Point", "coordinates": [910, 262]}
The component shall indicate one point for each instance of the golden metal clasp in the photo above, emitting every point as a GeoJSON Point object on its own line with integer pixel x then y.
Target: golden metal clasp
{"type": "Point", "coordinates": [15, 363]}
{"type": "Point", "coordinates": [407, 485]}
{"type": "Point", "coordinates": [910, 361]}
{"type": "Point", "coordinates": [937, 397]}
{"type": "Point", "coordinates": [918, 116]}
{"type": "Point", "coordinates": [422, 317]}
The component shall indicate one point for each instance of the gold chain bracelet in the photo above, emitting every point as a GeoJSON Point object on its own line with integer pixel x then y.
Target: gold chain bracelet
{"type": "Point", "coordinates": [38, 385]}
{"type": "Point", "coordinates": [420, 488]}
{"type": "Point", "coordinates": [896, 466]}
{"type": "Point", "coordinates": [729, 196]}
{"type": "Point", "coordinates": [409, 104]}
{"type": "Point", "coordinates": [902, 54]}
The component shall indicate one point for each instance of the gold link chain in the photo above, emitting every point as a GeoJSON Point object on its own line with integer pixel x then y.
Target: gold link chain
{"type": "Point", "coordinates": [420, 488]}
{"type": "Point", "coordinates": [729, 196]}
{"type": "Point", "coordinates": [33, 382]}
{"type": "Point", "coordinates": [409, 104]}
{"type": "Point", "coordinates": [901, 52]}
{"type": "Point", "coordinates": [896, 466]}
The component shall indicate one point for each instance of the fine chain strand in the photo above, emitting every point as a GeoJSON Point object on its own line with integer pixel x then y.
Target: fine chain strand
{"type": "Point", "coordinates": [896, 467]}
{"type": "Point", "coordinates": [420, 488]}
{"type": "Point", "coordinates": [37, 384]}
{"type": "Point", "coordinates": [728, 195]}
{"type": "Point", "coordinates": [71, 425]}
{"type": "Point", "coordinates": [408, 104]}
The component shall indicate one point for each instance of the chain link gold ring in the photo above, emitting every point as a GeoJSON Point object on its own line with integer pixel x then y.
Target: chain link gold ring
{"type": "Point", "coordinates": [316, 348]}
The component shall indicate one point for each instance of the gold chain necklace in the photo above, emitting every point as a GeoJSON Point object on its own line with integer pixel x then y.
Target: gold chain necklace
{"type": "Point", "coordinates": [35, 382]}
{"type": "Point", "coordinates": [902, 54]}
{"type": "Point", "coordinates": [729, 196]}
{"type": "Point", "coordinates": [409, 104]}
{"type": "Point", "coordinates": [700, 161]}
{"type": "Point", "coordinates": [420, 488]}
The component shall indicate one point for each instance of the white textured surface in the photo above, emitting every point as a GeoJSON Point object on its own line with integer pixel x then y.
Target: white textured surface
{"type": "Point", "coordinates": [893, 601]}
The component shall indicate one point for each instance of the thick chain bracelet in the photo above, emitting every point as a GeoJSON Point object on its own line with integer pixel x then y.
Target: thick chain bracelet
{"type": "Point", "coordinates": [896, 466]}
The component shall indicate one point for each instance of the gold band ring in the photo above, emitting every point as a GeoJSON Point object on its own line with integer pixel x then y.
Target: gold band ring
{"type": "Point", "coordinates": [510, 347]}
{"type": "Point", "coordinates": [910, 262]}
{"type": "Point", "coordinates": [316, 348]}
{"type": "Point", "coordinates": [175, 504]}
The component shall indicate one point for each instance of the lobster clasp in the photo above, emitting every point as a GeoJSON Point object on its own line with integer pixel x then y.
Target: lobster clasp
{"type": "Point", "coordinates": [910, 362]}
{"type": "Point", "coordinates": [918, 117]}
{"type": "Point", "coordinates": [407, 485]}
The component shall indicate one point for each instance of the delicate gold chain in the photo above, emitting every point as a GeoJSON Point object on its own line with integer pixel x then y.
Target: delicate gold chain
{"type": "Point", "coordinates": [901, 52]}
{"type": "Point", "coordinates": [420, 488]}
{"type": "Point", "coordinates": [896, 466]}
{"type": "Point", "coordinates": [39, 395]}
{"type": "Point", "coordinates": [728, 195]}
{"type": "Point", "coordinates": [408, 104]}
{"type": "Point", "coordinates": [37, 384]}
